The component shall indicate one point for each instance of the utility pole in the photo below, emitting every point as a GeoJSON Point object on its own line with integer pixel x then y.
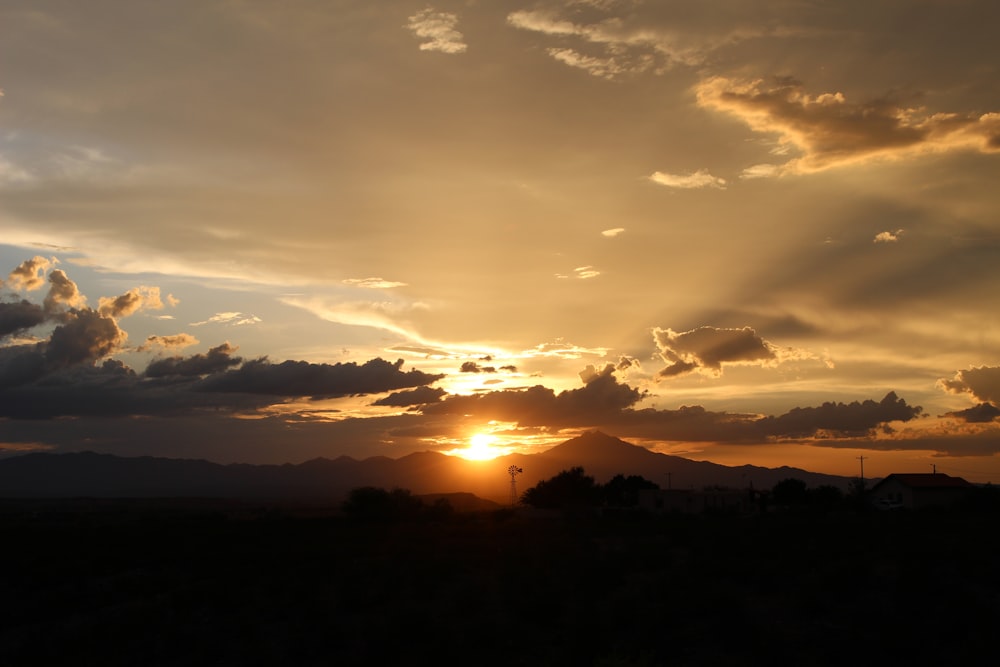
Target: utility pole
{"type": "Point", "coordinates": [862, 459]}
{"type": "Point", "coordinates": [934, 468]}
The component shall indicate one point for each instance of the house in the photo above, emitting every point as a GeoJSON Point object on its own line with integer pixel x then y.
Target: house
{"type": "Point", "coordinates": [919, 490]}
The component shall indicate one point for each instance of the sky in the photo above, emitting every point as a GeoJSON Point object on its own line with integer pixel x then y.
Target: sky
{"type": "Point", "coordinates": [251, 231]}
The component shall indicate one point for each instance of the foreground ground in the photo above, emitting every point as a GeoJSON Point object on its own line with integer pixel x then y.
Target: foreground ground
{"type": "Point", "coordinates": [130, 584]}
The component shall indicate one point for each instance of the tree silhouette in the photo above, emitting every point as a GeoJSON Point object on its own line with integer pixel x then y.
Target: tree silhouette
{"type": "Point", "coordinates": [790, 491]}
{"type": "Point", "coordinates": [570, 488]}
{"type": "Point", "coordinates": [371, 503]}
{"type": "Point", "coordinates": [622, 491]}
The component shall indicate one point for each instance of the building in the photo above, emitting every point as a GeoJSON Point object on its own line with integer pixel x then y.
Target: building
{"type": "Point", "coordinates": [919, 490]}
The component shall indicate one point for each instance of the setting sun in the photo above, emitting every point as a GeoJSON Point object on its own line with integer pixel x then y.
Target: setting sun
{"type": "Point", "coordinates": [480, 448]}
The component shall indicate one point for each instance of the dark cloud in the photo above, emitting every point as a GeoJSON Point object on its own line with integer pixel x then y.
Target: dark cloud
{"type": "Point", "coordinates": [85, 337]}
{"type": "Point", "coordinates": [979, 414]}
{"type": "Point", "coordinates": [300, 378]}
{"type": "Point", "coordinates": [19, 316]}
{"type": "Point", "coordinates": [843, 419]}
{"type": "Point", "coordinates": [982, 382]}
{"type": "Point", "coordinates": [418, 396]}
{"type": "Point", "coordinates": [602, 397]}
{"type": "Point", "coordinates": [217, 359]}
{"type": "Point", "coordinates": [709, 348]}
{"type": "Point", "coordinates": [473, 367]}
{"type": "Point", "coordinates": [830, 130]}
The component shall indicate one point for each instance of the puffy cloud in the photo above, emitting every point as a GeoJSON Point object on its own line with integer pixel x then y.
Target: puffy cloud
{"type": "Point", "coordinates": [888, 237]}
{"type": "Point", "coordinates": [63, 293]}
{"type": "Point", "coordinates": [128, 303]}
{"type": "Point", "coordinates": [173, 342]}
{"type": "Point", "coordinates": [708, 348]}
{"type": "Point", "coordinates": [85, 337]}
{"type": "Point", "coordinates": [300, 378]}
{"type": "Point", "coordinates": [830, 131]}
{"type": "Point", "coordinates": [438, 28]}
{"type": "Point", "coordinates": [982, 382]}
{"type": "Point", "coordinates": [418, 396]}
{"type": "Point", "coordinates": [19, 316]}
{"type": "Point", "coordinates": [698, 179]}
{"type": "Point", "coordinates": [215, 360]}
{"type": "Point", "coordinates": [29, 274]}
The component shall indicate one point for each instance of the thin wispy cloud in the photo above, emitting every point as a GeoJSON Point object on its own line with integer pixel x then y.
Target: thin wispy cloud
{"type": "Point", "coordinates": [692, 181]}
{"type": "Point", "coordinates": [613, 232]}
{"type": "Point", "coordinates": [233, 319]}
{"type": "Point", "coordinates": [438, 29]}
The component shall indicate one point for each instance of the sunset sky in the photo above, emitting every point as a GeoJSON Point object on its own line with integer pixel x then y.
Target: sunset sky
{"type": "Point", "coordinates": [245, 230]}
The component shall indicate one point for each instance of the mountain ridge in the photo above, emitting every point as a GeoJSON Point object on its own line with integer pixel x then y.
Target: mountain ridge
{"type": "Point", "coordinates": [92, 474]}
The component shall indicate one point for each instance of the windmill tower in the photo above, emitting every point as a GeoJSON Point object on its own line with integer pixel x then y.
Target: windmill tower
{"type": "Point", "coordinates": [513, 471]}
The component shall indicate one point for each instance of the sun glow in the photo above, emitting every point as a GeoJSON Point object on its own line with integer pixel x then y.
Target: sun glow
{"type": "Point", "coordinates": [480, 448]}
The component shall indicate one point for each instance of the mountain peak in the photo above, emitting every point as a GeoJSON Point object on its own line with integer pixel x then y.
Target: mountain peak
{"type": "Point", "coordinates": [595, 444]}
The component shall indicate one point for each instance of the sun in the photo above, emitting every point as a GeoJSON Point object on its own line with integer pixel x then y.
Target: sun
{"type": "Point", "coordinates": [480, 448]}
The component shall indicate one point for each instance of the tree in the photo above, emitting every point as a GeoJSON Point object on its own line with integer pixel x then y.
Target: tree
{"type": "Point", "coordinates": [790, 491]}
{"type": "Point", "coordinates": [371, 503]}
{"type": "Point", "coordinates": [622, 491]}
{"type": "Point", "coordinates": [570, 488]}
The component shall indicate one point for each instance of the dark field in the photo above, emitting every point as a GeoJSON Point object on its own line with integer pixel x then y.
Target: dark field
{"type": "Point", "coordinates": [149, 584]}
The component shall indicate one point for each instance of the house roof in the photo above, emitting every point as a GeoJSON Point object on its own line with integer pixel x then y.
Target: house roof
{"type": "Point", "coordinates": [921, 480]}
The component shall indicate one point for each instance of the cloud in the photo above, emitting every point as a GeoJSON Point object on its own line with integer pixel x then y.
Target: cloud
{"type": "Point", "coordinates": [630, 44]}
{"type": "Point", "coordinates": [173, 342]}
{"type": "Point", "coordinates": [135, 299]}
{"type": "Point", "coordinates": [709, 348]}
{"type": "Point", "coordinates": [613, 232]}
{"type": "Point", "coordinates": [601, 397]}
{"type": "Point", "coordinates": [438, 28]}
{"type": "Point", "coordinates": [888, 237]}
{"type": "Point", "coordinates": [473, 367]}
{"type": "Point", "coordinates": [978, 414]}
{"type": "Point", "coordinates": [698, 179]}
{"type": "Point", "coordinates": [63, 293]}
{"type": "Point", "coordinates": [982, 382]}
{"type": "Point", "coordinates": [29, 274]}
{"type": "Point", "coordinates": [85, 337]}
{"type": "Point", "coordinates": [19, 316]}
{"type": "Point", "coordinates": [829, 131]}
{"type": "Point", "coordinates": [605, 68]}
{"type": "Point", "coordinates": [418, 396]}
{"type": "Point", "coordinates": [372, 283]}
{"type": "Point", "coordinates": [233, 319]}
{"type": "Point", "coordinates": [840, 419]}
{"type": "Point", "coordinates": [581, 273]}
{"type": "Point", "coordinates": [378, 314]}
{"type": "Point", "coordinates": [217, 359]}
{"type": "Point", "coordinates": [300, 378]}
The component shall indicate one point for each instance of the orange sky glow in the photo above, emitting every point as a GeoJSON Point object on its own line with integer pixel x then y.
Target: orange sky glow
{"type": "Point", "coordinates": [251, 232]}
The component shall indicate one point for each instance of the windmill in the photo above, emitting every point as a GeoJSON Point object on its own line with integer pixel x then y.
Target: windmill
{"type": "Point", "coordinates": [513, 471]}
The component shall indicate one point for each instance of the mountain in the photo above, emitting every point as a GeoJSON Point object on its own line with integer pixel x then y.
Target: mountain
{"type": "Point", "coordinates": [86, 474]}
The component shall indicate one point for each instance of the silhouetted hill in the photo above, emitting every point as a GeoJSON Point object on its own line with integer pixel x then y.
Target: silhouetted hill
{"type": "Point", "coordinates": [86, 474]}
